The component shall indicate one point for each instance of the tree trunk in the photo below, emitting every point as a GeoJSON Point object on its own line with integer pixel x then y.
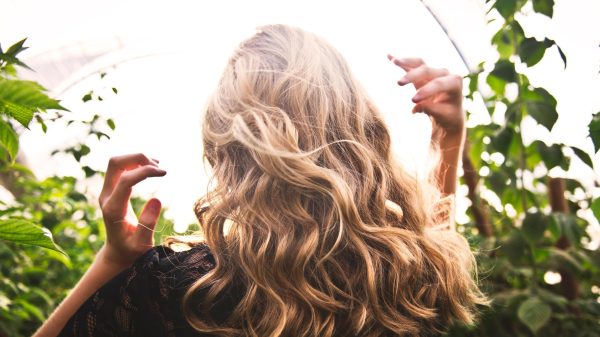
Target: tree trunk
{"type": "Point", "coordinates": [558, 202]}
{"type": "Point", "coordinates": [479, 209]}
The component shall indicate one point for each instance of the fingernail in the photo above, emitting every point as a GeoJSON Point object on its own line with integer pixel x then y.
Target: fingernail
{"type": "Point", "coordinates": [403, 81]}
{"type": "Point", "coordinates": [154, 204]}
{"type": "Point", "coordinates": [416, 98]}
{"type": "Point", "coordinates": [161, 171]}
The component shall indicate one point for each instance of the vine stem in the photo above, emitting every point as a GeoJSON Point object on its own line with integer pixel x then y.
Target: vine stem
{"type": "Point", "coordinates": [522, 159]}
{"type": "Point", "coordinates": [522, 166]}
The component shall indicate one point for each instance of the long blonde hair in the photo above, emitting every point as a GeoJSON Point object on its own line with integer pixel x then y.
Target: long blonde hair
{"type": "Point", "coordinates": [314, 228]}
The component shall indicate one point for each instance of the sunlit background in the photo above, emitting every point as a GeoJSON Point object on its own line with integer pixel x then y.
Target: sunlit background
{"type": "Point", "coordinates": [165, 58]}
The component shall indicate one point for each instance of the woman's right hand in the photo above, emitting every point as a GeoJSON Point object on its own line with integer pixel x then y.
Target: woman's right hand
{"type": "Point", "coordinates": [439, 95]}
{"type": "Point", "coordinates": [126, 241]}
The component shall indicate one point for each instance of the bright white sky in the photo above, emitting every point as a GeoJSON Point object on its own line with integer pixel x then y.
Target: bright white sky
{"type": "Point", "coordinates": [170, 57]}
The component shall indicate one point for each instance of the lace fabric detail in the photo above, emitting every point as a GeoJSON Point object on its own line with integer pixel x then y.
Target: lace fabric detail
{"type": "Point", "coordinates": [145, 299]}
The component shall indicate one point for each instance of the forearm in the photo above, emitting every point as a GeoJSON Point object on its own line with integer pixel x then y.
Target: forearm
{"type": "Point", "coordinates": [451, 147]}
{"type": "Point", "coordinates": [100, 272]}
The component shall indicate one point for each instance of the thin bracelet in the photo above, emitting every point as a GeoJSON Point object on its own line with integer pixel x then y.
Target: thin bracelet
{"type": "Point", "coordinates": [141, 224]}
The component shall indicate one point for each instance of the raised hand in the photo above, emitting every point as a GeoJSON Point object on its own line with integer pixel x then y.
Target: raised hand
{"type": "Point", "coordinates": [126, 241]}
{"type": "Point", "coordinates": [439, 94]}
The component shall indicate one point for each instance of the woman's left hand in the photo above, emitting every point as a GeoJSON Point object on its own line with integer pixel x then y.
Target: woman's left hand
{"type": "Point", "coordinates": [126, 241]}
{"type": "Point", "coordinates": [439, 94]}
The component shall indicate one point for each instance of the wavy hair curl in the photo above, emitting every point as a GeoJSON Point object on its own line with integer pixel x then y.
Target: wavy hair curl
{"type": "Point", "coordinates": [315, 230]}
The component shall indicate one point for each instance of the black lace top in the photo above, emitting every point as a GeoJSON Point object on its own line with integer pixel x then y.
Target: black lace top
{"type": "Point", "coordinates": [143, 300]}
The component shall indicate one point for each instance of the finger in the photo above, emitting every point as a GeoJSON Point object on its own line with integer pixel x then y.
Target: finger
{"type": "Point", "coordinates": [116, 166]}
{"type": "Point", "coordinates": [438, 111]}
{"type": "Point", "coordinates": [406, 63]}
{"type": "Point", "coordinates": [115, 206]}
{"type": "Point", "coordinates": [418, 108]}
{"type": "Point", "coordinates": [431, 109]}
{"type": "Point", "coordinates": [428, 109]}
{"type": "Point", "coordinates": [147, 222]}
{"type": "Point", "coordinates": [451, 85]}
{"type": "Point", "coordinates": [421, 75]}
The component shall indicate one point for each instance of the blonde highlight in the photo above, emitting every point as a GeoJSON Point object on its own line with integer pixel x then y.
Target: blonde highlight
{"type": "Point", "coordinates": [326, 235]}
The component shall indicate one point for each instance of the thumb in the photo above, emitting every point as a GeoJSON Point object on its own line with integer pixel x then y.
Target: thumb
{"type": "Point", "coordinates": [148, 219]}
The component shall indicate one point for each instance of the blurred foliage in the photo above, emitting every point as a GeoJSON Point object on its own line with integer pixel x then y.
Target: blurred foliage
{"type": "Point", "coordinates": [34, 280]}
{"type": "Point", "coordinates": [529, 229]}
{"type": "Point", "coordinates": [51, 231]}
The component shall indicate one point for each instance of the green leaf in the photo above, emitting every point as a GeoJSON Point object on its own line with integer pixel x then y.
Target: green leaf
{"type": "Point", "coordinates": [563, 259]}
{"type": "Point", "coordinates": [496, 181]}
{"type": "Point", "coordinates": [503, 41]}
{"type": "Point", "coordinates": [25, 232]}
{"type": "Point", "coordinates": [41, 122]}
{"type": "Point", "coordinates": [16, 48]}
{"type": "Point", "coordinates": [515, 247]}
{"type": "Point", "coordinates": [87, 97]}
{"type": "Point", "coordinates": [540, 255]}
{"type": "Point", "coordinates": [596, 208]}
{"type": "Point", "coordinates": [583, 156]}
{"type": "Point", "coordinates": [509, 36]}
{"type": "Point", "coordinates": [84, 150]}
{"type": "Point", "coordinates": [534, 226]}
{"type": "Point", "coordinates": [110, 123]}
{"type": "Point", "coordinates": [20, 99]}
{"type": "Point", "coordinates": [506, 8]}
{"type": "Point", "coordinates": [88, 171]}
{"type": "Point", "coordinates": [473, 84]}
{"type": "Point", "coordinates": [551, 155]}
{"type": "Point", "coordinates": [568, 226]}
{"type": "Point", "coordinates": [99, 134]}
{"type": "Point", "coordinates": [504, 70]}
{"type": "Point", "coordinates": [532, 155]}
{"type": "Point", "coordinates": [22, 170]}
{"type": "Point", "coordinates": [10, 60]}
{"type": "Point", "coordinates": [10, 56]}
{"type": "Point", "coordinates": [541, 106]}
{"type": "Point", "coordinates": [545, 7]}
{"type": "Point", "coordinates": [594, 129]}
{"type": "Point", "coordinates": [496, 84]}
{"type": "Point", "coordinates": [534, 313]}
{"type": "Point", "coordinates": [31, 309]}
{"type": "Point", "coordinates": [502, 140]}
{"type": "Point", "coordinates": [562, 55]}
{"type": "Point", "coordinates": [21, 114]}
{"type": "Point", "coordinates": [552, 298]}
{"type": "Point", "coordinates": [10, 70]}
{"type": "Point", "coordinates": [64, 259]}
{"type": "Point", "coordinates": [9, 140]}
{"type": "Point", "coordinates": [531, 51]}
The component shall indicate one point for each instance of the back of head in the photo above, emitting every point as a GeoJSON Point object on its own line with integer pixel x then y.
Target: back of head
{"type": "Point", "coordinates": [314, 228]}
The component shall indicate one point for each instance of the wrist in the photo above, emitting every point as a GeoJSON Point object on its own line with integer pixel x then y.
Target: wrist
{"type": "Point", "coordinates": [110, 260]}
{"type": "Point", "coordinates": [449, 138]}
